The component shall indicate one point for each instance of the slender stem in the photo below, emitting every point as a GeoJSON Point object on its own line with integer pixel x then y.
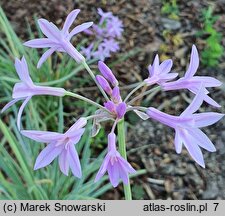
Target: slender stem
{"type": "Point", "coordinates": [134, 90]}
{"type": "Point", "coordinates": [93, 77]}
{"type": "Point", "coordinates": [122, 150]}
{"type": "Point", "coordinates": [156, 89]}
{"type": "Point", "coordinates": [85, 99]}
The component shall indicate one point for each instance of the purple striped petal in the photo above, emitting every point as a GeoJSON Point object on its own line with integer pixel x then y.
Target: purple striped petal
{"type": "Point", "coordinates": [22, 71]}
{"type": "Point", "coordinates": [193, 148]}
{"type": "Point", "coordinates": [74, 161]}
{"type": "Point", "coordinates": [49, 29]}
{"type": "Point", "coordinates": [45, 56]}
{"type": "Point", "coordinates": [9, 104]}
{"type": "Point", "coordinates": [207, 81]}
{"type": "Point", "coordinates": [113, 171]}
{"type": "Point", "coordinates": [40, 43]}
{"type": "Point", "coordinates": [70, 19]}
{"type": "Point", "coordinates": [103, 168]}
{"type": "Point", "coordinates": [195, 104]}
{"type": "Point", "coordinates": [206, 119]}
{"type": "Point", "coordinates": [202, 140]}
{"type": "Point", "coordinates": [210, 101]}
{"type": "Point", "coordinates": [165, 66]}
{"type": "Point", "coordinates": [42, 136]}
{"type": "Point", "coordinates": [194, 63]}
{"type": "Point", "coordinates": [79, 29]}
{"type": "Point", "coordinates": [80, 123]}
{"type": "Point", "coordinates": [21, 111]}
{"type": "Point", "coordinates": [47, 155]}
{"type": "Point", "coordinates": [63, 162]}
{"type": "Point", "coordinates": [178, 141]}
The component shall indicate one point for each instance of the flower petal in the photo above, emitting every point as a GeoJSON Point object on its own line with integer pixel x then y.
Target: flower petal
{"type": "Point", "coordinates": [210, 101]}
{"type": "Point", "coordinates": [202, 139]}
{"type": "Point", "coordinates": [42, 136]}
{"type": "Point", "coordinates": [193, 148]}
{"type": "Point", "coordinates": [195, 104]}
{"type": "Point", "coordinates": [49, 29]}
{"type": "Point", "coordinates": [103, 168]}
{"type": "Point", "coordinates": [21, 111]}
{"type": "Point", "coordinates": [22, 71]}
{"type": "Point", "coordinates": [40, 43]}
{"type": "Point", "coordinates": [45, 56]}
{"type": "Point", "coordinates": [178, 141]}
{"type": "Point", "coordinates": [74, 161]}
{"type": "Point", "coordinates": [47, 155]}
{"type": "Point", "coordinates": [165, 66]}
{"type": "Point", "coordinates": [207, 81]}
{"type": "Point", "coordinates": [194, 63]}
{"type": "Point", "coordinates": [206, 119]}
{"type": "Point", "coordinates": [63, 162]}
{"type": "Point", "coordinates": [113, 171]}
{"type": "Point", "coordinates": [9, 104]}
{"type": "Point", "coordinates": [70, 19]}
{"type": "Point", "coordinates": [79, 29]}
{"type": "Point", "coordinates": [80, 123]}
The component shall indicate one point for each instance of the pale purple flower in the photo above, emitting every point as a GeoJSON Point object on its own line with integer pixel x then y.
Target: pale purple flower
{"type": "Point", "coordinates": [25, 89]}
{"type": "Point", "coordinates": [101, 53]}
{"type": "Point", "coordinates": [159, 73]}
{"type": "Point", "coordinates": [110, 45]}
{"type": "Point", "coordinates": [187, 126]}
{"type": "Point", "coordinates": [88, 51]}
{"type": "Point", "coordinates": [104, 15]}
{"type": "Point", "coordinates": [107, 73]}
{"type": "Point", "coordinates": [193, 83]}
{"type": "Point", "coordinates": [114, 27]}
{"type": "Point", "coordinates": [61, 145]}
{"type": "Point", "coordinates": [116, 166]}
{"type": "Point", "coordinates": [58, 40]}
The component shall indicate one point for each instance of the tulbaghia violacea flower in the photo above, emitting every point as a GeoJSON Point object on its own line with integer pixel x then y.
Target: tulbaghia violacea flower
{"type": "Point", "coordinates": [25, 89]}
{"type": "Point", "coordinates": [110, 45]}
{"type": "Point", "coordinates": [193, 83]}
{"type": "Point", "coordinates": [114, 27]}
{"type": "Point", "coordinates": [58, 40]}
{"type": "Point", "coordinates": [104, 15]}
{"type": "Point", "coordinates": [61, 145]}
{"type": "Point", "coordinates": [116, 166]}
{"type": "Point", "coordinates": [159, 73]}
{"type": "Point", "coordinates": [187, 126]}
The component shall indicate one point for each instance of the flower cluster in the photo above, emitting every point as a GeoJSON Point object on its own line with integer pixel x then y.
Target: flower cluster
{"type": "Point", "coordinates": [107, 32]}
{"type": "Point", "coordinates": [187, 125]}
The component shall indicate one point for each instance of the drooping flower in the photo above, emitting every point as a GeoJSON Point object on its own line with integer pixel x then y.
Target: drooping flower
{"type": "Point", "coordinates": [62, 145]}
{"type": "Point", "coordinates": [58, 40]}
{"type": "Point", "coordinates": [116, 166]}
{"type": "Point", "coordinates": [25, 89]}
{"type": "Point", "coordinates": [193, 83]}
{"type": "Point", "coordinates": [159, 73]}
{"type": "Point", "coordinates": [187, 126]}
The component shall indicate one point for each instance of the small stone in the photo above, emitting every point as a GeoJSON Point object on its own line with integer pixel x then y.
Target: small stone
{"type": "Point", "coordinates": [170, 24]}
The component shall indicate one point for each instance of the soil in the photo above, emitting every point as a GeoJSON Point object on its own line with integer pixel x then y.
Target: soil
{"type": "Point", "coordinates": [150, 144]}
